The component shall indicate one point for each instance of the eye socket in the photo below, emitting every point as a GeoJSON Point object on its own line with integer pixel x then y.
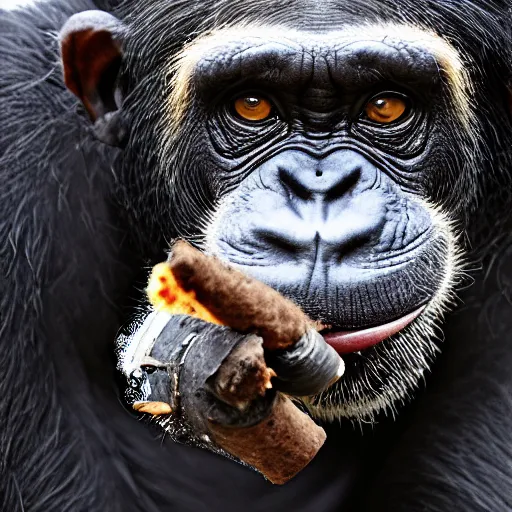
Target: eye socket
{"type": "Point", "coordinates": [386, 108]}
{"type": "Point", "coordinates": [253, 108]}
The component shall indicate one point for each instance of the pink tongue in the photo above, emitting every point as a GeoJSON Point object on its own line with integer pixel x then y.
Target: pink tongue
{"type": "Point", "coordinates": [345, 342]}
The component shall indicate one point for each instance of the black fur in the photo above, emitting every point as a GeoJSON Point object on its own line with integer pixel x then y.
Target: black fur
{"type": "Point", "coordinates": [76, 227]}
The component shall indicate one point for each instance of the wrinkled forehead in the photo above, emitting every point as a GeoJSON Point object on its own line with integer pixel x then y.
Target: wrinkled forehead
{"type": "Point", "coordinates": [237, 52]}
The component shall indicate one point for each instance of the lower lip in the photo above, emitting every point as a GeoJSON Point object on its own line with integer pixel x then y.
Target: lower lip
{"type": "Point", "coordinates": [345, 342]}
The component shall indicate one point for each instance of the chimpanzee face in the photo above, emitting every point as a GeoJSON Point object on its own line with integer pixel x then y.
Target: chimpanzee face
{"type": "Point", "coordinates": [312, 161]}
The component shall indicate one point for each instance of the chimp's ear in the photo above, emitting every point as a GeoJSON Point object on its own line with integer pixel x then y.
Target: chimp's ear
{"type": "Point", "coordinates": [91, 51]}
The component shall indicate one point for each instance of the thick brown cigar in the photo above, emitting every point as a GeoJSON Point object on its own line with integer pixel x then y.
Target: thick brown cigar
{"type": "Point", "coordinates": [228, 296]}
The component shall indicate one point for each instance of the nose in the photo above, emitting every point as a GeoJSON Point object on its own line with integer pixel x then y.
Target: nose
{"type": "Point", "coordinates": [332, 205]}
{"type": "Point", "coordinates": [329, 179]}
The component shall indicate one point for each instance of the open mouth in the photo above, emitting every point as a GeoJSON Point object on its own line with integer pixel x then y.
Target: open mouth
{"type": "Point", "coordinates": [345, 342]}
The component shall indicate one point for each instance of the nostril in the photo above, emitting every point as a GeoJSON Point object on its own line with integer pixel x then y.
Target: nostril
{"type": "Point", "coordinates": [294, 186]}
{"type": "Point", "coordinates": [319, 173]}
{"type": "Point", "coordinates": [343, 185]}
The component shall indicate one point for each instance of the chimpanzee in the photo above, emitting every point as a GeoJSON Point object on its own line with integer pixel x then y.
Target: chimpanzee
{"type": "Point", "coordinates": [354, 155]}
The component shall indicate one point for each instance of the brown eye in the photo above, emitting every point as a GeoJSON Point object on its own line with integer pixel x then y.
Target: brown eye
{"type": "Point", "coordinates": [253, 108]}
{"type": "Point", "coordinates": [385, 109]}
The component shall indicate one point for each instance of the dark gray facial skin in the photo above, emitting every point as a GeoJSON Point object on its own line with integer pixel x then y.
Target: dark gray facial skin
{"type": "Point", "coordinates": [319, 201]}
